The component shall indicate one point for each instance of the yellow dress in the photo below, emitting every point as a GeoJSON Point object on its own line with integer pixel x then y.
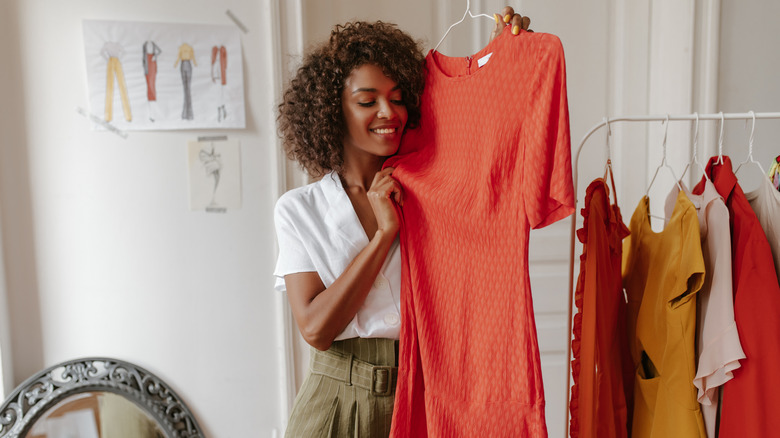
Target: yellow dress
{"type": "Point", "coordinates": [661, 274]}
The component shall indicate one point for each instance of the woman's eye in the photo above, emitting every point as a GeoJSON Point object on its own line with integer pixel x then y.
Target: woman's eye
{"type": "Point", "coordinates": [398, 102]}
{"type": "Point", "coordinates": [366, 104]}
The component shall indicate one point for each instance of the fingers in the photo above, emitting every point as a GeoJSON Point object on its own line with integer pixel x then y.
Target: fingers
{"type": "Point", "coordinates": [498, 27]}
{"type": "Point", "coordinates": [385, 186]}
{"type": "Point", "coordinates": [516, 21]}
{"type": "Point", "coordinates": [507, 13]}
{"type": "Point", "coordinates": [519, 22]}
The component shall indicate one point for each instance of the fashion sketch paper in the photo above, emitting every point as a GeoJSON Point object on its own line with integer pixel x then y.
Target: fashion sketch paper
{"type": "Point", "coordinates": [160, 76]}
{"type": "Point", "coordinates": [215, 175]}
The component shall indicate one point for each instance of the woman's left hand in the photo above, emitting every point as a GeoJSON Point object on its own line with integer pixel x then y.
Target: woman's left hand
{"type": "Point", "coordinates": [508, 17]}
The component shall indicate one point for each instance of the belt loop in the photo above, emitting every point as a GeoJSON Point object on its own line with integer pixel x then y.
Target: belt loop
{"type": "Point", "coordinates": [349, 369]}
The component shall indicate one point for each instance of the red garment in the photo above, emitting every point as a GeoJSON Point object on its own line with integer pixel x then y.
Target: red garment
{"type": "Point", "coordinates": [747, 409]}
{"type": "Point", "coordinates": [602, 369]}
{"type": "Point", "coordinates": [490, 161]}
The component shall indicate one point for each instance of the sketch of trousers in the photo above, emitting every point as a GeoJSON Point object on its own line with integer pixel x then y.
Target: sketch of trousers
{"type": "Point", "coordinates": [186, 77]}
{"type": "Point", "coordinates": [114, 68]}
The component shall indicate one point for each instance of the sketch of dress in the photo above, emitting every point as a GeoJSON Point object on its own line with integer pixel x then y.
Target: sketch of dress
{"type": "Point", "coordinates": [112, 51]}
{"type": "Point", "coordinates": [187, 58]}
{"type": "Point", "coordinates": [212, 164]}
{"type": "Point", "coordinates": [150, 53]}
{"type": "Point", "coordinates": [219, 76]}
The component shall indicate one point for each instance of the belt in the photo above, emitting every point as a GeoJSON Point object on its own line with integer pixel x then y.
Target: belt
{"type": "Point", "coordinates": [380, 380]}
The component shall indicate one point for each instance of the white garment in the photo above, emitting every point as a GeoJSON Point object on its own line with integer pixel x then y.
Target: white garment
{"type": "Point", "coordinates": [765, 201]}
{"type": "Point", "coordinates": [319, 231]}
{"type": "Point", "coordinates": [719, 348]}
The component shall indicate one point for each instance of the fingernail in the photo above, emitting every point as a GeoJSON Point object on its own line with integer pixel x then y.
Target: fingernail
{"type": "Point", "coordinates": [507, 17]}
{"type": "Point", "coordinates": [516, 30]}
{"type": "Point", "coordinates": [496, 17]}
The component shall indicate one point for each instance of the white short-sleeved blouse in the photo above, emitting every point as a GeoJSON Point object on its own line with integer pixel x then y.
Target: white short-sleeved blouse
{"type": "Point", "coordinates": [318, 231]}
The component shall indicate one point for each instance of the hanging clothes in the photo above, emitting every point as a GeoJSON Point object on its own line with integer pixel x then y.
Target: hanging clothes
{"type": "Point", "coordinates": [662, 272]}
{"type": "Point", "coordinates": [718, 348]}
{"type": "Point", "coordinates": [765, 202]}
{"type": "Point", "coordinates": [747, 408]}
{"type": "Point", "coordinates": [601, 366]}
{"type": "Point", "coordinates": [478, 174]}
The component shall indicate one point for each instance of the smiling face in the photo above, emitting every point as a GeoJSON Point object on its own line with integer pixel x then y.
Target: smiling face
{"type": "Point", "coordinates": [374, 113]}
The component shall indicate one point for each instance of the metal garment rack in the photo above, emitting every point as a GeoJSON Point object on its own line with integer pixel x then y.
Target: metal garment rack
{"type": "Point", "coordinates": [606, 122]}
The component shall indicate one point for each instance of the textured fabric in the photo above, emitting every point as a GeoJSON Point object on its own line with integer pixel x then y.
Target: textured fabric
{"type": "Point", "coordinates": [747, 408]}
{"type": "Point", "coordinates": [478, 174]}
{"type": "Point", "coordinates": [335, 399]}
{"type": "Point", "coordinates": [718, 348]}
{"type": "Point", "coordinates": [765, 202]}
{"type": "Point", "coordinates": [662, 272]}
{"type": "Point", "coordinates": [318, 231]}
{"type": "Point", "coordinates": [601, 365]}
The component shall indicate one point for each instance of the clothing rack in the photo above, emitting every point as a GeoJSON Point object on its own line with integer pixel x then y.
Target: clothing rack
{"type": "Point", "coordinates": [607, 122]}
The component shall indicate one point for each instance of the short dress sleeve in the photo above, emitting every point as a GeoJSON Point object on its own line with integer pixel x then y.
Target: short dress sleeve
{"type": "Point", "coordinates": [293, 257]}
{"type": "Point", "coordinates": [547, 185]}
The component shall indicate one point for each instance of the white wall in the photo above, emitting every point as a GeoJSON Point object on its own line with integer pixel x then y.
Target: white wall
{"type": "Point", "coordinates": [102, 255]}
{"type": "Point", "coordinates": [749, 66]}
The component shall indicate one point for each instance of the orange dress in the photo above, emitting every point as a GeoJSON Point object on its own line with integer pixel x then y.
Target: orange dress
{"type": "Point", "coordinates": [601, 366]}
{"type": "Point", "coordinates": [478, 174]}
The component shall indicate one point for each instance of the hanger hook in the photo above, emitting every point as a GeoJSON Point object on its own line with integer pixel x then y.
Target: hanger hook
{"type": "Point", "coordinates": [720, 139]}
{"type": "Point", "coordinates": [609, 135]}
{"type": "Point", "coordinates": [666, 132]}
{"type": "Point", "coordinates": [695, 136]}
{"type": "Point", "coordinates": [752, 131]}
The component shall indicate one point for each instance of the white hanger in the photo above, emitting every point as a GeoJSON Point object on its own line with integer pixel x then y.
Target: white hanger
{"type": "Point", "coordinates": [720, 140]}
{"type": "Point", "coordinates": [695, 154]}
{"type": "Point", "coordinates": [664, 163]}
{"type": "Point", "coordinates": [608, 166]}
{"type": "Point", "coordinates": [749, 158]}
{"type": "Point", "coordinates": [467, 13]}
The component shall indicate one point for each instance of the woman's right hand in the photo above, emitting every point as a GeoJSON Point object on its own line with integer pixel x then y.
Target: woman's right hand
{"type": "Point", "coordinates": [508, 17]}
{"type": "Point", "coordinates": [384, 192]}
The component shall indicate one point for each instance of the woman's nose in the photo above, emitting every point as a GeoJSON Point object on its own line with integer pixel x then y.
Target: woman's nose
{"type": "Point", "coordinates": [386, 110]}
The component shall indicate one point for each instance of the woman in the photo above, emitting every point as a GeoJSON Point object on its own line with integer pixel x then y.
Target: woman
{"type": "Point", "coordinates": [343, 114]}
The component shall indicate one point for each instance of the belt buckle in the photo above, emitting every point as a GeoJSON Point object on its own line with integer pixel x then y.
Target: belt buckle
{"type": "Point", "coordinates": [390, 374]}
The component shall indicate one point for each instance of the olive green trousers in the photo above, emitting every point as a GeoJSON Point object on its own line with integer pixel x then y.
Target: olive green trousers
{"type": "Point", "coordinates": [349, 391]}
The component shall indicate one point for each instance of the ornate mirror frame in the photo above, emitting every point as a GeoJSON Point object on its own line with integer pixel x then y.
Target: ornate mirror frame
{"type": "Point", "coordinates": [47, 388]}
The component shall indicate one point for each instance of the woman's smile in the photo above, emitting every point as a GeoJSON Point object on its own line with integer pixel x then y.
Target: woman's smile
{"type": "Point", "coordinates": [374, 113]}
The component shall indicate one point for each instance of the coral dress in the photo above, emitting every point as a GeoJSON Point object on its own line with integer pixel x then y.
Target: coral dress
{"type": "Point", "coordinates": [482, 170]}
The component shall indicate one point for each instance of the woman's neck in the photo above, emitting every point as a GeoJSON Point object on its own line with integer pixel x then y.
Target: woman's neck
{"type": "Point", "coordinates": [361, 174]}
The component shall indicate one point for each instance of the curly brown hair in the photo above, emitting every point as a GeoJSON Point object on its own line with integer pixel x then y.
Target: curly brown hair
{"type": "Point", "coordinates": [311, 119]}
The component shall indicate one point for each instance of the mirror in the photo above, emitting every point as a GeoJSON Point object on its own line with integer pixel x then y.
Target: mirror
{"type": "Point", "coordinates": [94, 415]}
{"type": "Point", "coordinates": [96, 398]}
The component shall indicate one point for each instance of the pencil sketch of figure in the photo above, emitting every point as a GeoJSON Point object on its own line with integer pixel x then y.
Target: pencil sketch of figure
{"type": "Point", "coordinates": [187, 59]}
{"type": "Point", "coordinates": [112, 51]}
{"type": "Point", "coordinates": [212, 164]}
{"type": "Point", "coordinates": [219, 76]}
{"type": "Point", "coordinates": [150, 53]}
